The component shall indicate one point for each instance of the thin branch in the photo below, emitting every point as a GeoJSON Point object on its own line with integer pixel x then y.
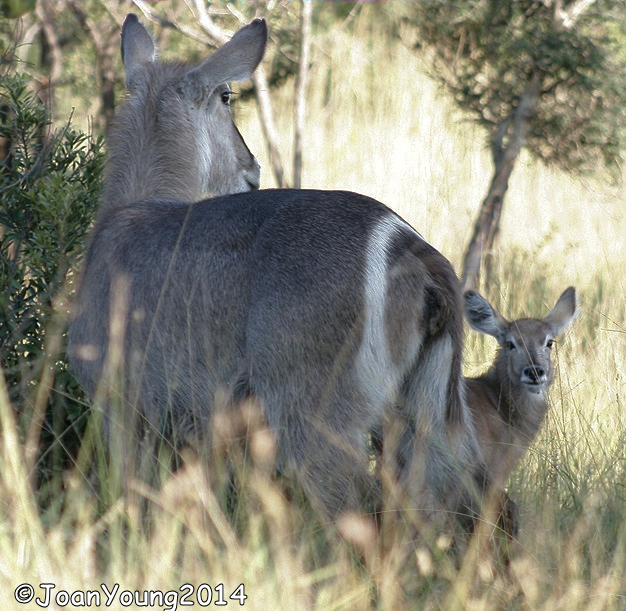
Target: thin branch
{"type": "Point", "coordinates": [152, 16]}
{"type": "Point", "coordinates": [240, 17]}
{"type": "Point", "coordinates": [45, 12]}
{"type": "Point", "coordinates": [208, 25]}
{"type": "Point", "coordinates": [105, 43]}
{"type": "Point", "coordinates": [268, 126]}
{"type": "Point", "coordinates": [567, 17]}
{"type": "Point", "coordinates": [301, 87]}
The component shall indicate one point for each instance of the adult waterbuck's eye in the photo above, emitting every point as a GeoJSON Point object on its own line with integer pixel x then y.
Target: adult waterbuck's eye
{"type": "Point", "coordinates": [549, 343]}
{"type": "Point", "coordinates": [510, 345]}
{"type": "Point", "coordinates": [226, 95]}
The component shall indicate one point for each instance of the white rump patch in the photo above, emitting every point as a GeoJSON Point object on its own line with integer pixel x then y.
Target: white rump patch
{"type": "Point", "coordinates": [375, 368]}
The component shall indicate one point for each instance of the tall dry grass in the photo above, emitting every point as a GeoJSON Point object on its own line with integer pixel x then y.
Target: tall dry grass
{"type": "Point", "coordinates": [379, 126]}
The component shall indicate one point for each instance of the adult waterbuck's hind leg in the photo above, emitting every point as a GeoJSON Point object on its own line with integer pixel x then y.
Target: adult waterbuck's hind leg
{"type": "Point", "coordinates": [343, 333]}
{"type": "Point", "coordinates": [428, 438]}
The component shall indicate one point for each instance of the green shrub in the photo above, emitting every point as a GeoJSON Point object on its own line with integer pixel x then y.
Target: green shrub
{"type": "Point", "coordinates": [49, 183]}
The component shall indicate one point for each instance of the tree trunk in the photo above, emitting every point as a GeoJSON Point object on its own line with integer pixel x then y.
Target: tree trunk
{"type": "Point", "coordinates": [487, 224]}
{"type": "Point", "coordinates": [268, 127]}
{"type": "Point", "coordinates": [301, 86]}
{"type": "Point", "coordinates": [106, 45]}
{"type": "Point", "coordinates": [106, 76]}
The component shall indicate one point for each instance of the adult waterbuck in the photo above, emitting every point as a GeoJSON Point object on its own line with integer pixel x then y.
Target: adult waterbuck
{"type": "Point", "coordinates": [509, 402]}
{"type": "Point", "coordinates": [326, 307]}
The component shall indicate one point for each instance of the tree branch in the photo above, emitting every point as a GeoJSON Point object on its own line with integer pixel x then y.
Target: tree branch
{"type": "Point", "coordinates": [301, 87]}
{"type": "Point", "coordinates": [268, 126]}
{"type": "Point", "coordinates": [208, 25]}
{"type": "Point", "coordinates": [154, 17]}
{"type": "Point", "coordinates": [105, 44]}
{"type": "Point", "coordinates": [567, 17]}
{"type": "Point", "coordinates": [53, 56]}
{"type": "Point", "coordinates": [487, 224]}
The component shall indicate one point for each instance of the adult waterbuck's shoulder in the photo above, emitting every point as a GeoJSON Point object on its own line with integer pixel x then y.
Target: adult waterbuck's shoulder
{"type": "Point", "coordinates": [325, 306]}
{"type": "Point", "coordinates": [509, 402]}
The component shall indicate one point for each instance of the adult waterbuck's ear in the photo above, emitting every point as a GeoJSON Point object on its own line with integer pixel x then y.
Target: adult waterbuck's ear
{"type": "Point", "coordinates": [234, 61]}
{"type": "Point", "coordinates": [562, 313]}
{"type": "Point", "coordinates": [138, 48]}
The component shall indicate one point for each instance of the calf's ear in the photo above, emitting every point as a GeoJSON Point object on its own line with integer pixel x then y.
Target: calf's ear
{"type": "Point", "coordinates": [483, 317]}
{"type": "Point", "coordinates": [563, 312]}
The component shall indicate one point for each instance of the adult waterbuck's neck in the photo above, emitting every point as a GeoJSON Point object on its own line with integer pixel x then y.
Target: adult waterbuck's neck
{"type": "Point", "coordinates": [174, 138]}
{"type": "Point", "coordinates": [509, 402]}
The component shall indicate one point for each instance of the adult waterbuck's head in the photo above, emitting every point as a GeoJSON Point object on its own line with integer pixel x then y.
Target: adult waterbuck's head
{"type": "Point", "coordinates": [175, 137]}
{"type": "Point", "coordinates": [325, 307]}
{"type": "Point", "coordinates": [509, 402]}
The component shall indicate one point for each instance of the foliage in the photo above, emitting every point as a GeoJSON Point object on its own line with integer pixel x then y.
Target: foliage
{"type": "Point", "coordinates": [16, 8]}
{"type": "Point", "coordinates": [48, 193]}
{"type": "Point", "coordinates": [487, 53]}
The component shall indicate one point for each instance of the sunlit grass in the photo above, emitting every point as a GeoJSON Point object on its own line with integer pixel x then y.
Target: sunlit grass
{"type": "Point", "coordinates": [379, 126]}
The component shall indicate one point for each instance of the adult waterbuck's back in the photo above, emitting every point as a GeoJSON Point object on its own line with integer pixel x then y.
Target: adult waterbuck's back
{"type": "Point", "coordinates": [509, 402]}
{"type": "Point", "coordinates": [325, 306]}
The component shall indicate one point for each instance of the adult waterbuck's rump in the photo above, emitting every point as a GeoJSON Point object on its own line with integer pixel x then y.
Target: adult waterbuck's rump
{"type": "Point", "coordinates": [325, 306]}
{"type": "Point", "coordinates": [509, 402]}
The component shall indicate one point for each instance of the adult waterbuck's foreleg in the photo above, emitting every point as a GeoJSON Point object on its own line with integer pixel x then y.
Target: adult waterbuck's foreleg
{"type": "Point", "coordinates": [173, 142]}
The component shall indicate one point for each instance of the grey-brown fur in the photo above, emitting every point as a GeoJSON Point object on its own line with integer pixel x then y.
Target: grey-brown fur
{"type": "Point", "coordinates": [326, 306]}
{"type": "Point", "coordinates": [509, 402]}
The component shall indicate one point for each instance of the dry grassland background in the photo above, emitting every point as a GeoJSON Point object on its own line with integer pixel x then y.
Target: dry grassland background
{"type": "Point", "coordinates": [378, 125]}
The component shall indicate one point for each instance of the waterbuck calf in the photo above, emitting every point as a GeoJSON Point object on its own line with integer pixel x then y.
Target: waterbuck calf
{"type": "Point", "coordinates": [326, 307]}
{"type": "Point", "coordinates": [509, 402]}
